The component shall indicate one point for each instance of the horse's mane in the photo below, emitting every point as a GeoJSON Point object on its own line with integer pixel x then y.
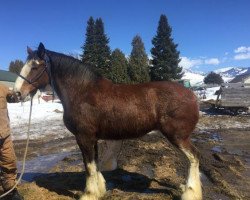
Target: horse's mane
{"type": "Point", "coordinates": [65, 66]}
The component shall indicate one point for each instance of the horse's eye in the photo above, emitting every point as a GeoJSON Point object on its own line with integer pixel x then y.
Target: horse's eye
{"type": "Point", "coordinates": [34, 68]}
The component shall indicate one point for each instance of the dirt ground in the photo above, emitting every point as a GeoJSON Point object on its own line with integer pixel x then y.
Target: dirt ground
{"type": "Point", "coordinates": [148, 167]}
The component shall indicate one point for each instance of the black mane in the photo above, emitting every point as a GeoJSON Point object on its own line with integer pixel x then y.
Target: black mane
{"type": "Point", "coordinates": [65, 66]}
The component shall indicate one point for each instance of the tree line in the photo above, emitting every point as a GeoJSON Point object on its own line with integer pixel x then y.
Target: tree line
{"type": "Point", "coordinates": [137, 67]}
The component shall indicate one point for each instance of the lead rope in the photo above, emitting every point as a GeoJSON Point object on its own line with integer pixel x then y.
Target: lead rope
{"type": "Point", "coordinates": [25, 153]}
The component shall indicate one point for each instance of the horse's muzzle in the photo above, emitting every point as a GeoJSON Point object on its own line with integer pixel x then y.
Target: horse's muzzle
{"type": "Point", "coordinates": [13, 97]}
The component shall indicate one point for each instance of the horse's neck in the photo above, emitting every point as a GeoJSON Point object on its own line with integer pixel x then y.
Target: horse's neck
{"type": "Point", "coordinates": [68, 88]}
{"type": "Point", "coordinates": [65, 87]}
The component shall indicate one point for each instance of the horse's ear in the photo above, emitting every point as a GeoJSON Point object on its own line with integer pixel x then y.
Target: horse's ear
{"type": "Point", "coordinates": [41, 51]}
{"type": "Point", "coordinates": [29, 50]}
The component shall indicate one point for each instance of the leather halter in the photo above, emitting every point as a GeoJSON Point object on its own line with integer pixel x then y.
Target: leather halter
{"type": "Point", "coordinates": [46, 68]}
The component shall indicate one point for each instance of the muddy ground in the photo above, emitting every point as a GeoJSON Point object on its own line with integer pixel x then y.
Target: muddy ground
{"type": "Point", "coordinates": [149, 167]}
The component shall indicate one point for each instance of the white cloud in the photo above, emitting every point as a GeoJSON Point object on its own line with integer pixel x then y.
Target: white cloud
{"type": "Point", "coordinates": [242, 53]}
{"type": "Point", "coordinates": [187, 63]}
{"type": "Point", "coordinates": [242, 56]}
{"type": "Point", "coordinates": [242, 49]}
{"type": "Point", "coordinates": [212, 61]}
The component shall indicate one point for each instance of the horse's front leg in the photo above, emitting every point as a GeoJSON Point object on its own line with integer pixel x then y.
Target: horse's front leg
{"type": "Point", "coordinates": [95, 183]}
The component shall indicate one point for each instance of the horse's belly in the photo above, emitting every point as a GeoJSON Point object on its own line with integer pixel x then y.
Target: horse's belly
{"type": "Point", "coordinates": [125, 129]}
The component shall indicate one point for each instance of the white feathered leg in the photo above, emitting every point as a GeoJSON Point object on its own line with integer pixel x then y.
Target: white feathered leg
{"type": "Point", "coordinates": [95, 183]}
{"type": "Point", "coordinates": [192, 190]}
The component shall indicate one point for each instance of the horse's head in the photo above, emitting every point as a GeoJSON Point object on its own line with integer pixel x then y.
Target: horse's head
{"type": "Point", "coordinates": [34, 74]}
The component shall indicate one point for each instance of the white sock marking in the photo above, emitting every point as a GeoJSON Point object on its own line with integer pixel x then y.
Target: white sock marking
{"type": "Point", "coordinates": [95, 183]}
{"type": "Point", "coordinates": [192, 189]}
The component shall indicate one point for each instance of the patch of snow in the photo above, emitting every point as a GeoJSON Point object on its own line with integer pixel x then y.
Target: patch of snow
{"type": "Point", "coordinates": [195, 78]}
{"type": "Point", "coordinates": [218, 71]}
{"type": "Point", "coordinates": [227, 79]}
{"type": "Point", "coordinates": [243, 71]}
{"type": "Point", "coordinates": [45, 120]}
{"type": "Point", "coordinates": [210, 93]}
{"type": "Point", "coordinates": [44, 111]}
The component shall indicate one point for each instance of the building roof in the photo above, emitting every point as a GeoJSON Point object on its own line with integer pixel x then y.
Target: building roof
{"type": "Point", "coordinates": [240, 78]}
{"type": "Point", "coordinates": [7, 76]}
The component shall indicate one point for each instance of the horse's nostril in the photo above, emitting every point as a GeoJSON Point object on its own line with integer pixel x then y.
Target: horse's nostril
{"type": "Point", "coordinates": [18, 94]}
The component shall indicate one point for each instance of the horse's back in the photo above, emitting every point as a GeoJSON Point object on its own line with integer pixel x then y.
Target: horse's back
{"type": "Point", "coordinates": [157, 97]}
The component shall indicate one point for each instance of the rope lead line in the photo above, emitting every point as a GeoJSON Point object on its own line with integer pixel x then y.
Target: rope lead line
{"type": "Point", "coordinates": [25, 153]}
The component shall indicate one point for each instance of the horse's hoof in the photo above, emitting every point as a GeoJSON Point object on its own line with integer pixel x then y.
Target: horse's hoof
{"type": "Point", "coordinates": [190, 194]}
{"type": "Point", "coordinates": [88, 196]}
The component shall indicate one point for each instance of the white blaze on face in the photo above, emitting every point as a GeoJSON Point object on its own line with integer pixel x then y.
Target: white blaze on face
{"type": "Point", "coordinates": [24, 72]}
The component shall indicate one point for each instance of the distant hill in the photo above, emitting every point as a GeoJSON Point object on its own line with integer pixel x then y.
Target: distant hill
{"type": "Point", "coordinates": [228, 73]}
{"type": "Point", "coordinates": [196, 78]}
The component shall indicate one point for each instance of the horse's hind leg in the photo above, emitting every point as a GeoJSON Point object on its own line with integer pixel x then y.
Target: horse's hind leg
{"type": "Point", "coordinates": [181, 139]}
{"type": "Point", "coordinates": [95, 183]}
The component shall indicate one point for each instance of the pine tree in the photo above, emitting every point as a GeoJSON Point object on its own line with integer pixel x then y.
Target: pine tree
{"type": "Point", "coordinates": [119, 67]}
{"type": "Point", "coordinates": [89, 45]}
{"type": "Point", "coordinates": [16, 66]}
{"type": "Point", "coordinates": [213, 78]}
{"type": "Point", "coordinates": [165, 54]}
{"type": "Point", "coordinates": [96, 50]}
{"type": "Point", "coordinates": [138, 62]}
{"type": "Point", "coordinates": [102, 49]}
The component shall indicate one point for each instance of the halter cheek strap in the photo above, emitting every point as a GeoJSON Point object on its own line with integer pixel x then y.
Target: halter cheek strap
{"type": "Point", "coordinates": [48, 67]}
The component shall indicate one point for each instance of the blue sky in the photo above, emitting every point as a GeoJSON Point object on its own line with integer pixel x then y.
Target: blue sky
{"type": "Point", "coordinates": [211, 33]}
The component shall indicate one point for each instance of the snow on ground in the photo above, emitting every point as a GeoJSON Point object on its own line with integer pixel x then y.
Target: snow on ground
{"type": "Point", "coordinates": [45, 110]}
{"type": "Point", "coordinates": [207, 94]}
{"type": "Point", "coordinates": [46, 120]}
{"type": "Point", "coordinates": [210, 93]}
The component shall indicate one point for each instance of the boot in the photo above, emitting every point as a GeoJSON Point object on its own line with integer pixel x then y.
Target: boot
{"type": "Point", "coordinates": [14, 195]}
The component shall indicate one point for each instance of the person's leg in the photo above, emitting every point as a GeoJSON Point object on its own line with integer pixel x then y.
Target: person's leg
{"type": "Point", "coordinates": [8, 168]}
{"type": "Point", "coordinates": [8, 164]}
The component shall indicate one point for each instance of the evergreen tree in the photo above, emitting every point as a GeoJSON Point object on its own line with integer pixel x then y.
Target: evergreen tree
{"type": "Point", "coordinates": [119, 67]}
{"type": "Point", "coordinates": [138, 62]}
{"type": "Point", "coordinates": [96, 50]}
{"type": "Point", "coordinates": [102, 49]}
{"type": "Point", "coordinates": [88, 56]}
{"type": "Point", "coordinates": [16, 66]}
{"type": "Point", "coordinates": [213, 78]}
{"type": "Point", "coordinates": [164, 53]}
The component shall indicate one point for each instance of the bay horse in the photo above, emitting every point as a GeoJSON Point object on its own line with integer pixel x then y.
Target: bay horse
{"type": "Point", "coordinates": [95, 108]}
